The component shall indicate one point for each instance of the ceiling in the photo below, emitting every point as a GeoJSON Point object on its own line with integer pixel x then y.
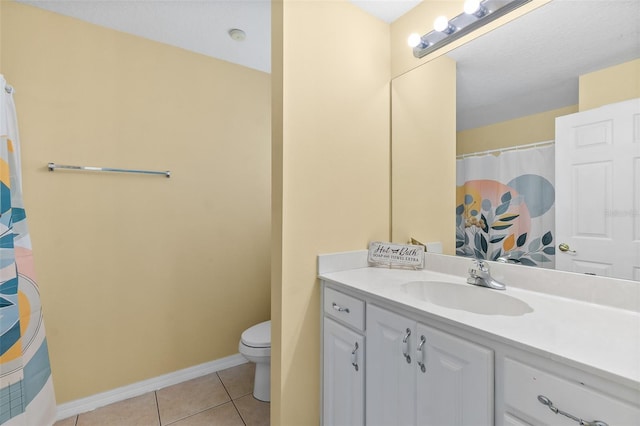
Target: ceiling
{"type": "Point", "coordinates": [500, 75]}
{"type": "Point", "coordinates": [201, 26]}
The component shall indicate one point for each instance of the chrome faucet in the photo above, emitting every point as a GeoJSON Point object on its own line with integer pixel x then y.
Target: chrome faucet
{"type": "Point", "coordinates": [479, 275]}
{"type": "Point", "coordinates": [506, 259]}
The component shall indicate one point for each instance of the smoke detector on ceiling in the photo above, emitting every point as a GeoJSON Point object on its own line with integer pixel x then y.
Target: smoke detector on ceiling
{"type": "Point", "coordinates": [237, 34]}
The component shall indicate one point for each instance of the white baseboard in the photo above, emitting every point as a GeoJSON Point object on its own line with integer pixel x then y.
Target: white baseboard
{"type": "Point", "coordinates": [89, 403]}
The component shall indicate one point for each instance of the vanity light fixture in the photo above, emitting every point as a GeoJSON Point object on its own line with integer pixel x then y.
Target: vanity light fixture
{"type": "Point", "coordinates": [442, 25]}
{"type": "Point", "coordinates": [474, 7]}
{"type": "Point", "coordinates": [476, 14]}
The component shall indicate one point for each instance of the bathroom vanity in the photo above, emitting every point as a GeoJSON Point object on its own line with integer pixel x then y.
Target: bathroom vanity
{"type": "Point", "coordinates": [405, 347]}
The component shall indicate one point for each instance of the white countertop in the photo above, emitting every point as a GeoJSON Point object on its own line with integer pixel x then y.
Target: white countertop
{"type": "Point", "coordinates": [599, 339]}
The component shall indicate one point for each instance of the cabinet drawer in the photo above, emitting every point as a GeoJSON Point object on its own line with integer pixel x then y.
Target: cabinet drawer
{"type": "Point", "coordinates": [523, 383]}
{"type": "Point", "coordinates": [344, 308]}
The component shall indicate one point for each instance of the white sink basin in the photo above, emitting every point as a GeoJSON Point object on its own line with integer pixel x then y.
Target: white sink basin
{"type": "Point", "coordinates": [467, 297]}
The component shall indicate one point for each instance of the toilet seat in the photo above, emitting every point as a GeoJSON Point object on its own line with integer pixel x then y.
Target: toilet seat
{"type": "Point", "coordinates": [258, 336]}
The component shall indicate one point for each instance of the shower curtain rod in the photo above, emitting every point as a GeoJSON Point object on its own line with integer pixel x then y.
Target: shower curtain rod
{"type": "Point", "coordinates": [501, 150]}
{"type": "Point", "coordinates": [53, 166]}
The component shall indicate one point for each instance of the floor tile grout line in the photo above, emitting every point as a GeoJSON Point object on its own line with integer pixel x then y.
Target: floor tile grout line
{"type": "Point", "coordinates": [208, 408]}
{"type": "Point", "coordinates": [155, 395]}
{"type": "Point", "coordinates": [239, 413]}
{"type": "Point", "coordinates": [228, 393]}
{"type": "Point", "coordinates": [231, 398]}
{"type": "Point", "coordinates": [200, 412]}
{"type": "Point", "coordinates": [223, 386]}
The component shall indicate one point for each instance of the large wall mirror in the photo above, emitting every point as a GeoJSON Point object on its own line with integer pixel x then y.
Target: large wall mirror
{"type": "Point", "coordinates": [511, 84]}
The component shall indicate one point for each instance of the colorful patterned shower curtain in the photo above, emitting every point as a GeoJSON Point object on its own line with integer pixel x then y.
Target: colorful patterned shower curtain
{"type": "Point", "coordinates": [505, 206]}
{"type": "Point", "coordinates": [26, 387]}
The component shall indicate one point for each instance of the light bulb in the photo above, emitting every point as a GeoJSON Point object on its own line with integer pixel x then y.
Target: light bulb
{"type": "Point", "coordinates": [471, 6]}
{"type": "Point", "coordinates": [441, 23]}
{"type": "Point", "coordinates": [414, 40]}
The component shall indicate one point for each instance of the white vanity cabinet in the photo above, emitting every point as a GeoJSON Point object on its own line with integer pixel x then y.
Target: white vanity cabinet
{"type": "Point", "coordinates": [503, 371]}
{"type": "Point", "coordinates": [343, 369]}
{"type": "Point", "coordinates": [417, 375]}
{"type": "Point", "coordinates": [541, 392]}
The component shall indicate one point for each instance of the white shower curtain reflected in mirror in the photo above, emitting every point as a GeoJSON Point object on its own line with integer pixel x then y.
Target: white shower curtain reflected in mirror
{"type": "Point", "coordinates": [505, 206]}
{"type": "Point", "coordinates": [26, 387]}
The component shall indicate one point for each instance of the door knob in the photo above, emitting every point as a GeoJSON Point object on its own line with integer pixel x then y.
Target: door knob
{"type": "Point", "coordinates": [565, 247]}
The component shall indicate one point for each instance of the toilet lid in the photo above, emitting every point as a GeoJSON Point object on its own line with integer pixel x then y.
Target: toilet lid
{"type": "Point", "coordinates": [258, 336]}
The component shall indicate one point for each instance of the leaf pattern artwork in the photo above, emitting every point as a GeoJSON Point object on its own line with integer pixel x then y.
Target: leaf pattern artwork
{"type": "Point", "coordinates": [487, 229]}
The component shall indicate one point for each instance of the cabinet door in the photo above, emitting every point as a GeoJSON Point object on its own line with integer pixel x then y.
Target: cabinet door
{"type": "Point", "coordinates": [391, 377]}
{"type": "Point", "coordinates": [456, 387]}
{"type": "Point", "coordinates": [343, 382]}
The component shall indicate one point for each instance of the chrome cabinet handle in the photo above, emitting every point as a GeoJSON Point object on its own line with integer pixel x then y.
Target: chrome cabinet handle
{"type": "Point", "coordinates": [354, 357]}
{"type": "Point", "coordinates": [546, 401]}
{"type": "Point", "coordinates": [405, 346]}
{"type": "Point", "coordinates": [421, 363]}
{"type": "Point", "coordinates": [339, 308]}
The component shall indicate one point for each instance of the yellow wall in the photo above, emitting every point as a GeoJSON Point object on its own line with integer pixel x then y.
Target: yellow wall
{"type": "Point", "coordinates": [520, 131]}
{"type": "Point", "coordinates": [140, 275]}
{"type": "Point", "coordinates": [614, 84]}
{"type": "Point", "coordinates": [423, 140]}
{"type": "Point", "coordinates": [331, 99]}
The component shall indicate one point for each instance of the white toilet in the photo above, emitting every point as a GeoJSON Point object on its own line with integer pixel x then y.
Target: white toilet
{"type": "Point", "coordinates": [255, 345]}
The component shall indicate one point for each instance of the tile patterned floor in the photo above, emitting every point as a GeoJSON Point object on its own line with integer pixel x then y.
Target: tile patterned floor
{"type": "Point", "coordinates": [220, 399]}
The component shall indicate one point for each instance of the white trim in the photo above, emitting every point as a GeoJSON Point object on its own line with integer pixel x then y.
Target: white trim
{"type": "Point", "coordinates": [90, 403]}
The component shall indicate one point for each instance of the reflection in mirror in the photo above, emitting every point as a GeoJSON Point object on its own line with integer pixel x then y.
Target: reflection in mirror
{"type": "Point", "coordinates": [512, 83]}
{"type": "Point", "coordinates": [533, 64]}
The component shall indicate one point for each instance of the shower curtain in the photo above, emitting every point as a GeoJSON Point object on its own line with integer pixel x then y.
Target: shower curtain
{"type": "Point", "coordinates": [26, 387]}
{"type": "Point", "coordinates": [505, 206]}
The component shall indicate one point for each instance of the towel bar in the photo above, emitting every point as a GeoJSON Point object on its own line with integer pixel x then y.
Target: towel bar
{"type": "Point", "coordinates": [53, 166]}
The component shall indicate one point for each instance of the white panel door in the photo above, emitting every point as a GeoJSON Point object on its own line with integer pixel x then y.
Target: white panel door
{"type": "Point", "coordinates": [456, 386]}
{"type": "Point", "coordinates": [390, 375]}
{"type": "Point", "coordinates": [598, 190]}
{"type": "Point", "coordinates": [343, 376]}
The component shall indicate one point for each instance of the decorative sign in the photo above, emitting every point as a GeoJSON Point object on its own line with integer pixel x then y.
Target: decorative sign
{"type": "Point", "coordinates": [396, 254]}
